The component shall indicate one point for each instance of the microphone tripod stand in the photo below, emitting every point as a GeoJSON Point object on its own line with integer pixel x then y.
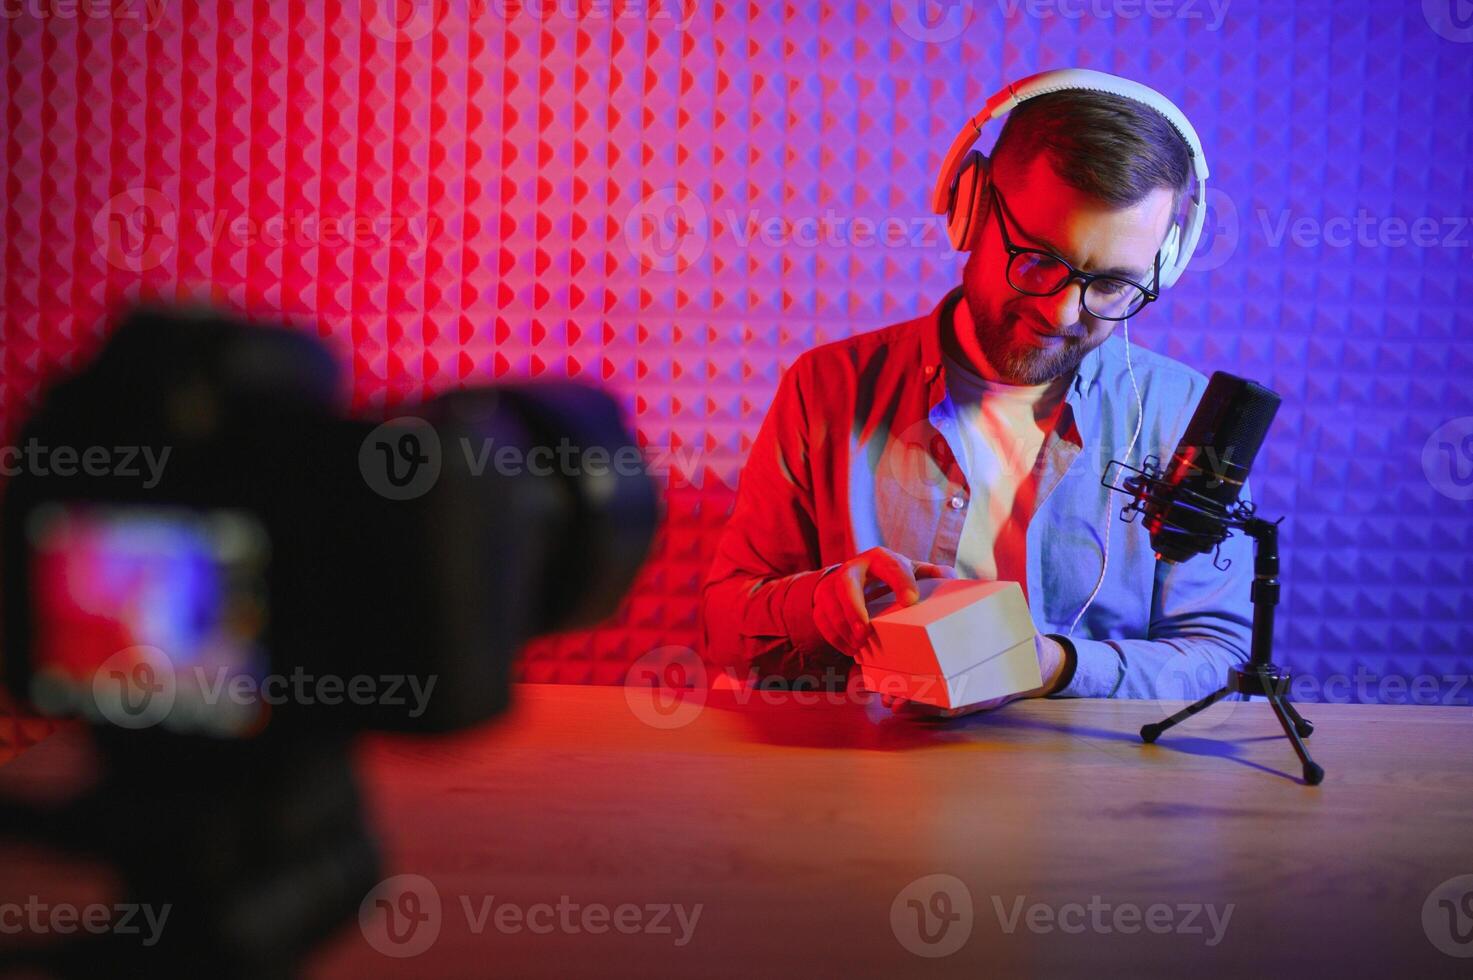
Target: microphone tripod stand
{"type": "Point", "coordinates": [1210, 524]}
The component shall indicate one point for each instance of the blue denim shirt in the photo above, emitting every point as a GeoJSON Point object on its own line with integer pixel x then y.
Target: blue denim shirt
{"type": "Point", "coordinates": [860, 449]}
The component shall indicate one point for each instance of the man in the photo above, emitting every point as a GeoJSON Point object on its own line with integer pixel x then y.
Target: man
{"type": "Point", "coordinates": [971, 441]}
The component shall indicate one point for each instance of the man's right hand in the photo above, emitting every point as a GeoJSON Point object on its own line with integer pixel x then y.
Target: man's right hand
{"type": "Point", "coordinates": [839, 609]}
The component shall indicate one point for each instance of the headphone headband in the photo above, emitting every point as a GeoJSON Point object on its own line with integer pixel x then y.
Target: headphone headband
{"type": "Point", "coordinates": [1083, 79]}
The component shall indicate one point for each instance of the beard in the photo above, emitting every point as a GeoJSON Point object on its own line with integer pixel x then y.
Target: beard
{"type": "Point", "coordinates": [1019, 364]}
{"type": "Point", "coordinates": [1001, 328]}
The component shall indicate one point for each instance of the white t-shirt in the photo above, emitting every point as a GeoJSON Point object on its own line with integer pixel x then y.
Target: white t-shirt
{"type": "Point", "coordinates": [1002, 429]}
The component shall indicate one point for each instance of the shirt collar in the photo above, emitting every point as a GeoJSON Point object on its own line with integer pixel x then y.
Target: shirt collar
{"type": "Point", "coordinates": [934, 370]}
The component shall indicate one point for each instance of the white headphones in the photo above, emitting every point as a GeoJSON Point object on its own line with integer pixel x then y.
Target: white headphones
{"type": "Point", "coordinates": [966, 172]}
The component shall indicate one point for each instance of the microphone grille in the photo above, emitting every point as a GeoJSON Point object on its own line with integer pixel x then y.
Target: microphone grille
{"type": "Point", "coordinates": [1233, 418]}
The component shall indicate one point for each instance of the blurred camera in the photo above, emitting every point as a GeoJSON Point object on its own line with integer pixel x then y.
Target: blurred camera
{"type": "Point", "coordinates": [245, 532]}
{"type": "Point", "coordinates": [209, 559]}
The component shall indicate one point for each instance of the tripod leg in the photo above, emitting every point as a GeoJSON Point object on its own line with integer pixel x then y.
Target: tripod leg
{"type": "Point", "coordinates": [1313, 774]}
{"type": "Point", "coordinates": [1301, 724]}
{"type": "Point", "coordinates": [1149, 733]}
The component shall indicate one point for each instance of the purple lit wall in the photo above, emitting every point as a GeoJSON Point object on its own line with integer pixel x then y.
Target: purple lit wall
{"type": "Point", "coordinates": [677, 199]}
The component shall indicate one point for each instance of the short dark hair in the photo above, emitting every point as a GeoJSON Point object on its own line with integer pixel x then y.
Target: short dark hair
{"type": "Point", "coordinates": [1111, 148]}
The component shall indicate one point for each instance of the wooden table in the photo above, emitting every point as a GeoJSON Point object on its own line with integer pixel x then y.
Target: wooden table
{"type": "Point", "coordinates": [805, 833]}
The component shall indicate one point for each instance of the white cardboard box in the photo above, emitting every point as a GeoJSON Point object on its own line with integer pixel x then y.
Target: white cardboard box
{"type": "Point", "coordinates": [964, 642]}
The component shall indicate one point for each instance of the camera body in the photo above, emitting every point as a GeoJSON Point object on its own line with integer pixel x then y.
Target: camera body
{"type": "Point", "coordinates": [267, 578]}
{"type": "Point", "coordinates": [267, 555]}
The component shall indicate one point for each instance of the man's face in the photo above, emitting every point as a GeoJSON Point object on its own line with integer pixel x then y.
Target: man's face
{"type": "Point", "coordinates": [1034, 339]}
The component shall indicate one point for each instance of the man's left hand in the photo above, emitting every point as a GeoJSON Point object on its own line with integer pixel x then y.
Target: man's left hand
{"type": "Point", "coordinates": [1051, 659]}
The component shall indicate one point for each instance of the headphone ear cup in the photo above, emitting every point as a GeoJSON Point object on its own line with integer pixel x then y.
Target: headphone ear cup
{"type": "Point", "coordinates": [968, 200]}
{"type": "Point", "coordinates": [1169, 250]}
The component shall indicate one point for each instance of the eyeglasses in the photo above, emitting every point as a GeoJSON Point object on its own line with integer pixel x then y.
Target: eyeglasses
{"type": "Point", "coordinates": [1034, 272]}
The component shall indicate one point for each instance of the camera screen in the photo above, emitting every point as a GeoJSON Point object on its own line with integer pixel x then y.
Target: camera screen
{"type": "Point", "coordinates": [149, 616]}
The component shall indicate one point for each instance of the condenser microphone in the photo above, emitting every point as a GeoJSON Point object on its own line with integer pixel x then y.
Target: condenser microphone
{"type": "Point", "coordinates": [1192, 506]}
{"type": "Point", "coordinates": [1184, 509]}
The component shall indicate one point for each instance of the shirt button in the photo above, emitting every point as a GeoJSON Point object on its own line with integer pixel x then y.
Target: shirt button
{"type": "Point", "coordinates": [930, 370]}
{"type": "Point", "coordinates": [957, 500]}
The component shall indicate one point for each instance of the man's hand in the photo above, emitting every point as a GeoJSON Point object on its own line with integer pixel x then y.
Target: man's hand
{"type": "Point", "coordinates": [1050, 667]}
{"type": "Point", "coordinates": [839, 609]}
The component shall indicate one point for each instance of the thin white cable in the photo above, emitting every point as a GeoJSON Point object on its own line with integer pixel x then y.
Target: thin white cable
{"type": "Point", "coordinates": [1140, 412]}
